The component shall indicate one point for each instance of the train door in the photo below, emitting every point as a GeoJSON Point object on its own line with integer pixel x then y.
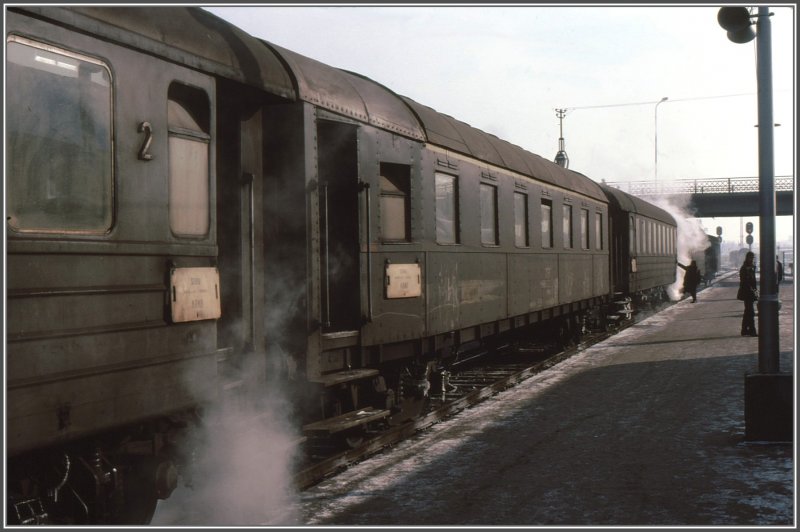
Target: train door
{"type": "Point", "coordinates": [339, 193]}
{"type": "Point", "coordinates": [240, 185]}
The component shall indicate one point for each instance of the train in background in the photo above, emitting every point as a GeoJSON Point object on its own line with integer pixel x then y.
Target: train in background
{"type": "Point", "coordinates": [194, 215]}
{"type": "Point", "coordinates": [709, 260]}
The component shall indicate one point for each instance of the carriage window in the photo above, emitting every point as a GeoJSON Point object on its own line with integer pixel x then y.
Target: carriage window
{"type": "Point", "coordinates": [675, 240]}
{"type": "Point", "coordinates": [658, 238]}
{"type": "Point", "coordinates": [489, 215]}
{"type": "Point", "coordinates": [446, 209]}
{"type": "Point", "coordinates": [640, 238]}
{"type": "Point", "coordinates": [644, 236]}
{"type": "Point", "coordinates": [567, 210]}
{"type": "Point", "coordinates": [547, 223]}
{"type": "Point", "coordinates": [598, 230]}
{"type": "Point", "coordinates": [584, 229]}
{"type": "Point", "coordinates": [655, 238]}
{"type": "Point", "coordinates": [189, 126]}
{"type": "Point", "coordinates": [669, 240]}
{"type": "Point", "coordinates": [632, 236]}
{"type": "Point", "coordinates": [521, 220]}
{"type": "Point", "coordinates": [58, 140]}
{"type": "Point", "coordinates": [394, 202]}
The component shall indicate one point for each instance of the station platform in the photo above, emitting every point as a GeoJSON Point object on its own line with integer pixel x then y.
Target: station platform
{"type": "Point", "coordinates": [645, 429]}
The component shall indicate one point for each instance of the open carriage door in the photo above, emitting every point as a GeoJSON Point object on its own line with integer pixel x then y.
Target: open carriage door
{"type": "Point", "coordinates": [338, 205]}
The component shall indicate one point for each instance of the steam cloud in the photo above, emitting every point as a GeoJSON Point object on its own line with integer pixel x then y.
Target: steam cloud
{"type": "Point", "coordinates": [692, 238]}
{"type": "Point", "coordinates": [244, 455]}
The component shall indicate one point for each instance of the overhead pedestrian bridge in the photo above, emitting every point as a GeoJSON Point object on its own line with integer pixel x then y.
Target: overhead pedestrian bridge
{"type": "Point", "coordinates": [718, 197]}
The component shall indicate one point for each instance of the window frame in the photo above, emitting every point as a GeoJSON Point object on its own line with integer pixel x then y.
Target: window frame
{"type": "Point", "coordinates": [567, 230]}
{"type": "Point", "coordinates": [526, 238]}
{"type": "Point", "coordinates": [546, 206]}
{"type": "Point", "coordinates": [199, 136]}
{"type": "Point", "coordinates": [585, 231]}
{"type": "Point", "coordinates": [493, 216]}
{"type": "Point", "coordinates": [386, 171]}
{"type": "Point", "coordinates": [109, 193]}
{"type": "Point", "coordinates": [598, 231]}
{"type": "Point", "coordinates": [454, 200]}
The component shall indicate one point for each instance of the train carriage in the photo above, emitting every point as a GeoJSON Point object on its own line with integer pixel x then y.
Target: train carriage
{"type": "Point", "coordinates": [708, 258]}
{"type": "Point", "coordinates": [194, 214]}
{"type": "Point", "coordinates": [644, 247]}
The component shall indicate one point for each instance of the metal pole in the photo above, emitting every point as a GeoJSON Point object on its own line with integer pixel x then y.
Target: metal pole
{"type": "Point", "coordinates": [655, 138]}
{"type": "Point", "coordinates": [768, 354]}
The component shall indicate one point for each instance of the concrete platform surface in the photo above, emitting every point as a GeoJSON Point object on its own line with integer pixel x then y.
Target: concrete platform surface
{"type": "Point", "coordinates": [645, 429]}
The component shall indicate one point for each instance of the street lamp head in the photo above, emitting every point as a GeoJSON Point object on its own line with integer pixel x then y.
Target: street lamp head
{"type": "Point", "coordinates": [736, 21]}
{"type": "Point", "coordinates": [664, 99]}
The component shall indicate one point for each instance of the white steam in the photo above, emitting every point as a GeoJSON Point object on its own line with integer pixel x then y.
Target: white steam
{"type": "Point", "coordinates": [244, 455]}
{"type": "Point", "coordinates": [692, 238]}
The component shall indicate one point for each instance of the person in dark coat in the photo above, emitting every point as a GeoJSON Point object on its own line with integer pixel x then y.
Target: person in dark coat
{"type": "Point", "coordinates": [779, 273]}
{"type": "Point", "coordinates": [691, 279]}
{"type": "Point", "coordinates": [748, 292]}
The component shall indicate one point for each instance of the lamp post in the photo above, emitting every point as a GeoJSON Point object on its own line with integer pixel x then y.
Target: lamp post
{"type": "Point", "coordinates": [768, 394]}
{"type": "Point", "coordinates": [561, 157]}
{"type": "Point", "coordinates": [655, 138]}
{"type": "Point", "coordinates": [769, 361]}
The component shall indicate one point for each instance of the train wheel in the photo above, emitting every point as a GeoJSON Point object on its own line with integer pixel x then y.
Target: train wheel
{"type": "Point", "coordinates": [144, 484]}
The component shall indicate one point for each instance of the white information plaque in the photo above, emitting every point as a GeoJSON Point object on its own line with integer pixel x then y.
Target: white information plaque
{"type": "Point", "coordinates": [403, 280]}
{"type": "Point", "coordinates": [194, 294]}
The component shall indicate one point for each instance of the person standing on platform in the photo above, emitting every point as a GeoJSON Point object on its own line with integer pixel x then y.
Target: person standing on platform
{"type": "Point", "coordinates": [748, 292]}
{"type": "Point", "coordinates": [778, 274]}
{"type": "Point", "coordinates": [691, 279]}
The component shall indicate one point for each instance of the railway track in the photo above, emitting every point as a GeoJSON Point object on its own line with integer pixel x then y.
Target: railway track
{"type": "Point", "coordinates": [474, 381]}
{"type": "Point", "coordinates": [468, 384]}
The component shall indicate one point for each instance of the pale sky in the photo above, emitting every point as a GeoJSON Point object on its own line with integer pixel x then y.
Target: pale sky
{"type": "Point", "coordinates": [505, 69]}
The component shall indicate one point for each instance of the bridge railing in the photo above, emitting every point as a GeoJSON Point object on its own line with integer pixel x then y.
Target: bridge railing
{"type": "Point", "coordinates": [724, 185]}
